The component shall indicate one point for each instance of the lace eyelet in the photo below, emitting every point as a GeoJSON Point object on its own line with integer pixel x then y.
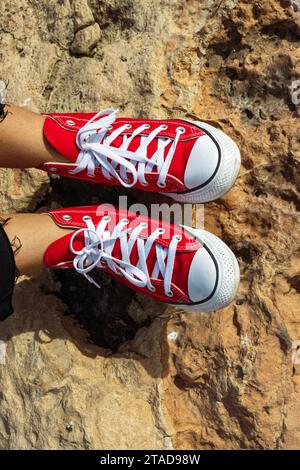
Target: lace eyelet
{"type": "Point", "coordinates": [67, 217]}
{"type": "Point", "coordinates": [147, 126]}
{"type": "Point", "coordinates": [128, 126]}
{"type": "Point", "coordinates": [152, 288]}
{"type": "Point", "coordinates": [109, 128]}
{"type": "Point", "coordinates": [144, 224]}
{"type": "Point", "coordinates": [107, 218]}
{"type": "Point", "coordinates": [161, 185]}
{"type": "Point", "coordinates": [161, 230]}
{"type": "Point", "coordinates": [125, 221]}
{"type": "Point", "coordinates": [85, 218]}
{"type": "Point", "coordinates": [164, 127]}
{"type": "Point", "coordinates": [178, 238]}
{"type": "Point", "coordinates": [180, 129]}
{"type": "Point", "coordinates": [86, 138]}
{"type": "Point", "coordinates": [144, 184]}
{"type": "Point", "coordinates": [170, 293]}
{"type": "Point", "coordinates": [70, 122]}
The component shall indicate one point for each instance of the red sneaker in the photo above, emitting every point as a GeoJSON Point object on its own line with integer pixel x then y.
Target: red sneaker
{"type": "Point", "coordinates": [190, 161]}
{"type": "Point", "coordinates": [179, 265]}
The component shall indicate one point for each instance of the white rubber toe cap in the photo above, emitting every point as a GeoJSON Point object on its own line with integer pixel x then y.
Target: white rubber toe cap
{"type": "Point", "coordinates": [212, 168]}
{"type": "Point", "coordinates": [202, 162]}
{"type": "Point", "coordinates": [214, 273]}
{"type": "Point", "coordinates": [202, 276]}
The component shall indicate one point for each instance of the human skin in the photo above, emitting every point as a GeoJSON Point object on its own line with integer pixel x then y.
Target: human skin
{"type": "Point", "coordinates": [30, 235]}
{"type": "Point", "coordinates": [22, 145]}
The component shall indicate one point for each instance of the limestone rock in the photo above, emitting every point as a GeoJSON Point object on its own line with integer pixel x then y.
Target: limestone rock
{"type": "Point", "coordinates": [21, 190]}
{"type": "Point", "coordinates": [122, 371]}
{"type": "Point", "coordinates": [83, 15]}
{"type": "Point", "coordinates": [85, 40]}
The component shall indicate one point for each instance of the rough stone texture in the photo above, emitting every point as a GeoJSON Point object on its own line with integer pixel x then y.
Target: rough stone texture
{"type": "Point", "coordinates": [83, 15]}
{"type": "Point", "coordinates": [85, 40]}
{"type": "Point", "coordinates": [122, 371]}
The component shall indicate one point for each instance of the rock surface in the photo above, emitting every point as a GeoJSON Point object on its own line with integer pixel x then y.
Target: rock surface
{"type": "Point", "coordinates": [121, 371]}
{"type": "Point", "coordinates": [85, 40]}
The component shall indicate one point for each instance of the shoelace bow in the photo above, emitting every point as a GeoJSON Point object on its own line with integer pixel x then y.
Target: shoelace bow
{"type": "Point", "coordinates": [96, 151]}
{"type": "Point", "coordinates": [99, 245]}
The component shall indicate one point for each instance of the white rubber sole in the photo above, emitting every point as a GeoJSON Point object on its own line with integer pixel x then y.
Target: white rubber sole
{"type": "Point", "coordinates": [228, 272]}
{"type": "Point", "coordinates": [227, 172]}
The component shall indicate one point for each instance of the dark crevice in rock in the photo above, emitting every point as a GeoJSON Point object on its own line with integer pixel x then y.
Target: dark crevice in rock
{"type": "Point", "coordinates": [236, 323]}
{"type": "Point", "coordinates": [242, 415]}
{"type": "Point", "coordinates": [233, 44]}
{"type": "Point", "coordinates": [285, 29]}
{"type": "Point", "coordinates": [284, 340]}
{"type": "Point", "coordinates": [294, 282]}
{"type": "Point", "coordinates": [102, 312]}
{"type": "Point", "coordinates": [245, 251]}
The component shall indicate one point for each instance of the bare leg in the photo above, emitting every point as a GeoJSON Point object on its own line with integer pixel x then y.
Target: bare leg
{"type": "Point", "coordinates": [32, 233]}
{"type": "Point", "coordinates": [22, 144]}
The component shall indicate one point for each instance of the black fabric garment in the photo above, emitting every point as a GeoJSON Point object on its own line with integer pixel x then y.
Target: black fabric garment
{"type": "Point", "coordinates": [7, 275]}
{"type": "Point", "coordinates": [3, 111]}
{"type": "Point", "coordinates": [7, 259]}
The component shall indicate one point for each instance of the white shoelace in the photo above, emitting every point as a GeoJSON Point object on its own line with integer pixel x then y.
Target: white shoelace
{"type": "Point", "coordinates": [99, 244]}
{"type": "Point", "coordinates": [96, 151]}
